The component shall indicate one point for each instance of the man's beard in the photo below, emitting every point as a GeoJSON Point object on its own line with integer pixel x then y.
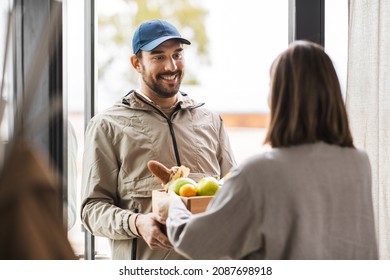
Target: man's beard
{"type": "Point", "coordinates": [163, 92]}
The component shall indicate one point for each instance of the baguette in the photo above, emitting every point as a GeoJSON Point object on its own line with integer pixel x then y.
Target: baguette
{"type": "Point", "coordinates": [166, 175]}
{"type": "Point", "coordinates": [159, 171]}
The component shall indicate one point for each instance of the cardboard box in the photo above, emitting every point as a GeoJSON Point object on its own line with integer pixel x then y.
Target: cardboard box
{"type": "Point", "coordinates": [195, 204]}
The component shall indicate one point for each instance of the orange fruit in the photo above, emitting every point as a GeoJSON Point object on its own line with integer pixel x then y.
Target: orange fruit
{"type": "Point", "coordinates": [179, 182]}
{"type": "Point", "coordinates": [187, 190]}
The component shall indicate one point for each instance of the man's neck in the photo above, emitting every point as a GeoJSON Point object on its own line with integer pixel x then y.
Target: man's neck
{"type": "Point", "coordinates": [164, 103]}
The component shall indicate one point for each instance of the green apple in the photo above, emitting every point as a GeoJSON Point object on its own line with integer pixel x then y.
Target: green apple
{"type": "Point", "coordinates": [179, 182]}
{"type": "Point", "coordinates": [207, 186]}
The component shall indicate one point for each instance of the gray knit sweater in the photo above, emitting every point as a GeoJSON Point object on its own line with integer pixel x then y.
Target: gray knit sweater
{"type": "Point", "coordinates": [304, 202]}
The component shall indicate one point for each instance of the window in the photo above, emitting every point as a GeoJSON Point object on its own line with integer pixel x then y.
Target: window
{"type": "Point", "coordinates": [336, 37]}
{"type": "Point", "coordinates": [5, 73]}
{"type": "Point", "coordinates": [232, 74]}
{"type": "Point", "coordinates": [74, 91]}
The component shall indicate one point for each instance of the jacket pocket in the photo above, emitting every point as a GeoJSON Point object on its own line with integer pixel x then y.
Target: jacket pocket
{"type": "Point", "coordinates": [139, 187]}
{"type": "Point", "coordinates": [137, 194]}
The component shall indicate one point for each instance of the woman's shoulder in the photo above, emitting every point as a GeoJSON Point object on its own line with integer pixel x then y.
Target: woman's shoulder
{"type": "Point", "coordinates": [264, 158]}
{"type": "Point", "coordinates": [309, 152]}
{"type": "Point", "coordinates": [353, 152]}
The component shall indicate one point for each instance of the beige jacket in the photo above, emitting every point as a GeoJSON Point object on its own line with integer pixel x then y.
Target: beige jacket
{"type": "Point", "coordinates": [118, 144]}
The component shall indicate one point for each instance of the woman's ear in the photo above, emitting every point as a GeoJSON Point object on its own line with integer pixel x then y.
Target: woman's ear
{"type": "Point", "coordinates": [136, 63]}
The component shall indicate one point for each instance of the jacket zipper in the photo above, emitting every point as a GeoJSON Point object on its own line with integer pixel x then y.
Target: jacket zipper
{"type": "Point", "coordinates": [171, 130]}
{"type": "Point", "coordinates": [175, 148]}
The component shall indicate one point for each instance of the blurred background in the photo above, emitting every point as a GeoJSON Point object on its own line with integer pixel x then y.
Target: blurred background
{"type": "Point", "coordinates": [227, 66]}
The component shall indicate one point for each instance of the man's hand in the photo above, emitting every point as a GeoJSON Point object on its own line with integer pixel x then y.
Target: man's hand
{"type": "Point", "coordinates": [149, 226]}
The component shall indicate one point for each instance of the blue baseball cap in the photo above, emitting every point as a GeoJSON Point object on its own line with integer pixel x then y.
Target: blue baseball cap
{"type": "Point", "coordinates": [152, 33]}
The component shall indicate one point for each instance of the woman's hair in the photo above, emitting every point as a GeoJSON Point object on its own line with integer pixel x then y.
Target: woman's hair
{"type": "Point", "coordinates": [305, 99]}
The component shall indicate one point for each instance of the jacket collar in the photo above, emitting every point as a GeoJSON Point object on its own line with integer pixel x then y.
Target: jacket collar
{"type": "Point", "coordinates": [135, 100]}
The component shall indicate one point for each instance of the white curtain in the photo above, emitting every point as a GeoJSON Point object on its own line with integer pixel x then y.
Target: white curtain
{"type": "Point", "coordinates": [368, 100]}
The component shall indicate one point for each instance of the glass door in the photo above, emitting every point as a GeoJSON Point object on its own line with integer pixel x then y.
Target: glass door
{"type": "Point", "coordinates": [233, 46]}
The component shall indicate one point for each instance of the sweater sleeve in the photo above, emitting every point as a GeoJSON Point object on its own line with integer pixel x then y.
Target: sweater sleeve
{"type": "Point", "coordinates": [225, 231]}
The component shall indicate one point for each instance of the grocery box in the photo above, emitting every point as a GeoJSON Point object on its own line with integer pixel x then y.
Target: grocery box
{"type": "Point", "coordinates": [195, 204]}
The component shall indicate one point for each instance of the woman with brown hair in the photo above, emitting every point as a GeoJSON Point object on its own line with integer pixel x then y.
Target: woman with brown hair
{"type": "Point", "coordinates": [309, 197]}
